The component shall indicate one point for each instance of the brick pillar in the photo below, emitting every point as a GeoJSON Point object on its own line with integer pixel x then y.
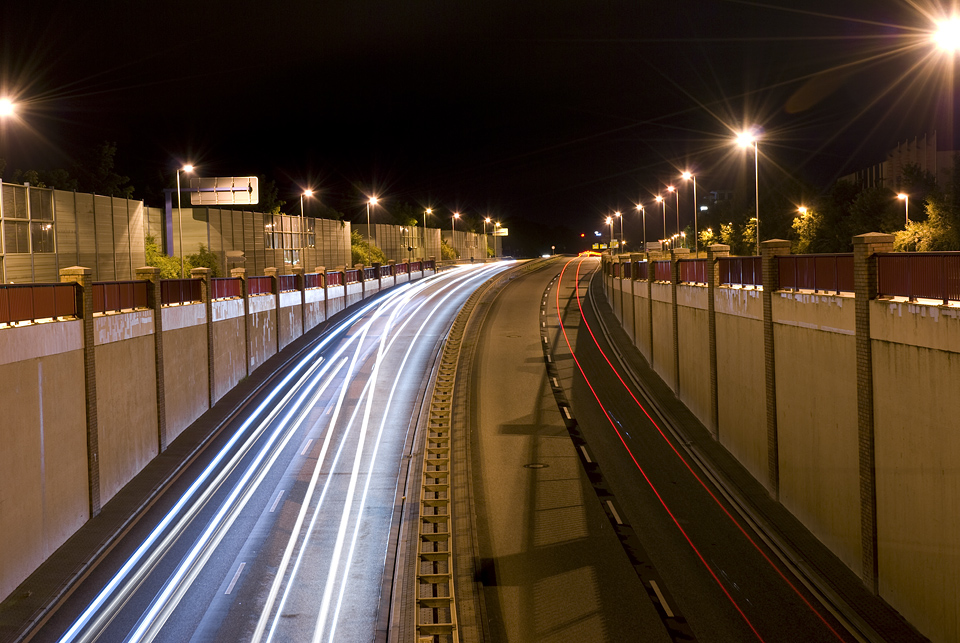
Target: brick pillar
{"type": "Point", "coordinates": [322, 271]}
{"type": "Point", "coordinates": [635, 258]}
{"type": "Point", "coordinates": [363, 286]}
{"type": "Point", "coordinates": [83, 277]}
{"type": "Point", "coordinates": [275, 289]}
{"type": "Point", "coordinates": [714, 252]}
{"type": "Point", "coordinates": [298, 271]}
{"type": "Point", "coordinates": [675, 255]}
{"type": "Point", "coordinates": [241, 274]}
{"type": "Point", "coordinates": [865, 247]}
{"type": "Point", "coordinates": [393, 270]}
{"type": "Point", "coordinates": [203, 274]}
{"type": "Point", "coordinates": [152, 276]}
{"type": "Point", "coordinates": [771, 280]}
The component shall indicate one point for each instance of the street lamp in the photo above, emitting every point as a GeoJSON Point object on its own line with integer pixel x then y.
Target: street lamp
{"type": "Point", "coordinates": [643, 213]}
{"type": "Point", "coordinates": [486, 246]}
{"type": "Point", "coordinates": [425, 213]}
{"type": "Point", "coordinates": [619, 216]}
{"type": "Point", "coordinates": [7, 107]}
{"type": "Point", "coordinates": [663, 208]}
{"type": "Point", "coordinates": [746, 139]}
{"type": "Point", "coordinates": [906, 209]}
{"type": "Point", "coordinates": [372, 201]}
{"type": "Point", "coordinates": [303, 236]}
{"type": "Point", "coordinates": [947, 36]}
{"type": "Point", "coordinates": [185, 168]}
{"type": "Point", "coordinates": [671, 188]}
{"type": "Point", "coordinates": [609, 222]}
{"type": "Point", "coordinates": [686, 176]}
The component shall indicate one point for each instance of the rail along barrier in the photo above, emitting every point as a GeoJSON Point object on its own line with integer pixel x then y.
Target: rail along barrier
{"type": "Point", "coordinates": [116, 296]}
{"type": "Point", "coordinates": [179, 291]}
{"type": "Point", "coordinates": [740, 271]}
{"type": "Point", "coordinates": [819, 273]}
{"type": "Point", "coordinates": [226, 287]}
{"type": "Point", "coordinates": [259, 286]}
{"type": "Point", "coordinates": [30, 302]}
{"type": "Point", "coordinates": [693, 271]}
{"type": "Point", "coordinates": [916, 275]}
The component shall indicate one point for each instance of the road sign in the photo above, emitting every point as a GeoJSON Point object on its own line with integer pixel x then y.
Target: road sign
{"type": "Point", "coordinates": [500, 232]}
{"type": "Point", "coordinates": [224, 190]}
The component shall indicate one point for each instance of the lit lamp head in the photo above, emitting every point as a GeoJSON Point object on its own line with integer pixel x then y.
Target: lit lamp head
{"type": "Point", "coordinates": [902, 196]}
{"type": "Point", "coordinates": [609, 220]}
{"type": "Point", "coordinates": [746, 139]}
{"type": "Point", "coordinates": [802, 210]}
{"type": "Point", "coordinates": [670, 188]}
{"type": "Point", "coordinates": [308, 193]}
{"type": "Point", "coordinates": [686, 176]}
{"type": "Point", "coordinates": [429, 210]}
{"type": "Point", "coordinates": [947, 35]}
{"type": "Point", "coordinates": [373, 200]}
{"type": "Point", "coordinates": [456, 215]}
{"type": "Point", "coordinates": [7, 107]}
{"type": "Point", "coordinates": [487, 220]}
{"type": "Point", "coordinates": [659, 198]}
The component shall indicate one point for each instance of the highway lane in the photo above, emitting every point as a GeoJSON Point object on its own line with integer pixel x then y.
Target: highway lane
{"type": "Point", "coordinates": [725, 582]}
{"type": "Point", "coordinates": [280, 530]}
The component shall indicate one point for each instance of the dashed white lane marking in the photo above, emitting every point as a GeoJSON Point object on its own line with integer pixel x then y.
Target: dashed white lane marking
{"type": "Point", "coordinates": [666, 608]}
{"type": "Point", "coordinates": [613, 510]}
{"type": "Point", "coordinates": [276, 502]}
{"type": "Point", "coordinates": [556, 384]}
{"type": "Point", "coordinates": [306, 447]}
{"type": "Point", "coordinates": [566, 412]}
{"type": "Point", "coordinates": [585, 454]}
{"type": "Point", "coordinates": [236, 577]}
{"type": "Point", "coordinates": [544, 340]}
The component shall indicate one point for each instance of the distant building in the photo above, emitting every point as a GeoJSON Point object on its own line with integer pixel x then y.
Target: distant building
{"type": "Point", "coordinates": [888, 173]}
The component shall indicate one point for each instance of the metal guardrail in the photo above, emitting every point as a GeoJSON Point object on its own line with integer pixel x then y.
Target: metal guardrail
{"type": "Point", "coordinates": [259, 286]}
{"type": "Point", "coordinates": [415, 266]}
{"type": "Point", "coordinates": [740, 271]}
{"type": "Point", "coordinates": [287, 283]}
{"type": "Point", "coordinates": [927, 275]}
{"type": "Point", "coordinates": [661, 271]}
{"type": "Point", "coordinates": [693, 271]}
{"type": "Point", "coordinates": [824, 272]}
{"type": "Point", "coordinates": [117, 296]}
{"type": "Point", "coordinates": [313, 280]}
{"type": "Point", "coordinates": [334, 278]}
{"type": "Point", "coordinates": [351, 276]}
{"type": "Point", "coordinates": [640, 271]}
{"type": "Point", "coordinates": [30, 302]}
{"type": "Point", "coordinates": [226, 287]}
{"type": "Point", "coordinates": [179, 291]}
{"type": "Point", "coordinates": [369, 274]}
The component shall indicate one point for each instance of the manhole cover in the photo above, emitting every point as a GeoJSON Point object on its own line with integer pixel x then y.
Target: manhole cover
{"type": "Point", "coordinates": [536, 465]}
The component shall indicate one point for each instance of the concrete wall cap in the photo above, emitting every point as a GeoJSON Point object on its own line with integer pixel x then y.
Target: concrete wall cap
{"type": "Point", "coordinates": [148, 270]}
{"type": "Point", "coordinates": [200, 272]}
{"type": "Point", "coordinates": [719, 247]}
{"type": "Point", "coordinates": [872, 237]}
{"type": "Point", "coordinates": [775, 243]}
{"type": "Point", "coordinates": [76, 270]}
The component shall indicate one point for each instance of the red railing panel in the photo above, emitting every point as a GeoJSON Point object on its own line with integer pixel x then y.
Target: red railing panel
{"type": "Point", "coordinates": [740, 271]}
{"type": "Point", "coordinates": [29, 302]}
{"type": "Point", "coordinates": [640, 272]}
{"type": "Point", "coordinates": [415, 267]}
{"type": "Point", "coordinates": [402, 269]}
{"type": "Point", "coordinates": [351, 276]}
{"type": "Point", "coordinates": [927, 275]}
{"type": "Point", "coordinates": [259, 286]}
{"type": "Point", "coordinates": [226, 287]}
{"type": "Point", "coordinates": [287, 283]}
{"type": "Point", "coordinates": [693, 271]}
{"type": "Point", "coordinates": [386, 271]}
{"type": "Point", "coordinates": [819, 273]}
{"type": "Point", "coordinates": [312, 280]}
{"type": "Point", "coordinates": [369, 273]}
{"type": "Point", "coordinates": [430, 265]}
{"type": "Point", "coordinates": [334, 278]}
{"type": "Point", "coordinates": [179, 291]}
{"type": "Point", "coordinates": [661, 271]}
{"type": "Point", "coordinates": [115, 296]}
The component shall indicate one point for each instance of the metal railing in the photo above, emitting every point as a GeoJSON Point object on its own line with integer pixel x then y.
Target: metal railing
{"type": "Point", "coordinates": [615, 270]}
{"type": "Point", "coordinates": [740, 271]}
{"type": "Point", "coordinates": [226, 288]}
{"type": "Point", "coordinates": [313, 280]}
{"type": "Point", "coordinates": [402, 268]}
{"type": "Point", "coordinates": [30, 302]}
{"type": "Point", "coordinates": [415, 266]}
{"type": "Point", "coordinates": [661, 271]}
{"type": "Point", "coordinates": [179, 291]}
{"type": "Point", "coordinates": [259, 286]}
{"type": "Point", "coordinates": [693, 271]}
{"type": "Point", "coordinates": [369, 274]}
{"type": "Point", "coordinates": [826, 273]}
{"type": "Point", "coordinates": [430, 265]}
{"type": "Point", "coordinates": [627, 270]}
{"type": "Point", "coordinates": [640, 272]}
{"type": "Point", "coordinates": [334, 278]}
{"type": "Point", "coordinates": [351, 276]}
{"type": "Point", "coordinates": [116, 296]}
{"type": "Point", "coordinates": [386, 271]}
{"type": "Point", "coordinates": [914, 275]}
{"type": "Point", "coordinates": [287, 283]}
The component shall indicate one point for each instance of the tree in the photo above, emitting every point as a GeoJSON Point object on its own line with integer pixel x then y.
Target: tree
{"type": "Point", "coordinates": [363, 252]}
{"type": "Point", "coordinates": [169, 266]}
{"type": "Point", "coordinates": [95, 173]}
{"type": "Point", "coordinates": [204, 259]}
{"type": "Point", "coordinates": [447, 252]}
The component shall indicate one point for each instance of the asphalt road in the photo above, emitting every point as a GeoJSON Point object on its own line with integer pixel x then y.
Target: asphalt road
{"type": "Point", "coordinates": [592, 524]}
{"type": "Point", "coordinates": [280, 530]}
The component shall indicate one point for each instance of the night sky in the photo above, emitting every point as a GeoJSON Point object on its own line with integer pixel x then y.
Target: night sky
{"type": "Point", "coordinates": [536, 113]}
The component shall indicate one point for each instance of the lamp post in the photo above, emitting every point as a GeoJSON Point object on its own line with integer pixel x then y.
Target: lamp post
{"type": "Point", "coordinates": [673, 189]}
{"type": "Point", "coordinates": [185, 168]}
{"type": "Point", "coordinates": [686, 176]}
{"type": "Point", "coordinates": [303, 235]}
{"type": "Point", "coordinates": [746, 139]}
{"type": "Point", "coordinates": [663, 208]}
{"type": "Point", "coordinates": [643, 213]}
{"type": "Point", "coordinates": [371, 201]}
{"type": "Point", "coordinates": [620, 216]}
{"type": "Point", "coordinates": [486, 246]}
{"type": "Point", "coordinates": [906, 207]}
{"type": "Point", "coordinates": [610, 223]}
{"type": "Point", "coordinates": [425, 213]}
